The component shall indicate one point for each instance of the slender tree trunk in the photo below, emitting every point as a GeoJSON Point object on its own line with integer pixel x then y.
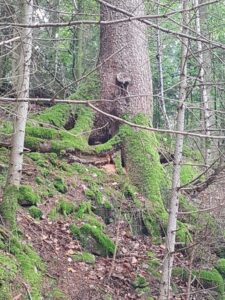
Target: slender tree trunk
{"type": "Point", "coordinates": [174, 203]}
{"type": "Point", "coordinates": [204, 91]}
{"type": "Point", "coordinates": [125, 68]}
{"type": "Point", "coordinates": [160, 69]}
{"type": "Point", "coordinates": [8, 206]}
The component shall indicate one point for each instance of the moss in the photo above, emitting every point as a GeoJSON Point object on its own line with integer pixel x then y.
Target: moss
{"type": "Point", "coordinates": [140, 282]}
{"type": "Point", "coordinates": [27, 197]}
{"type": "Point", "coordinates": [65, 207]}
{"type": "Point", "coordinates": [208, 279]}
{"type": "Point", "coordinates": [220, 266]}
{"type": "Point", "coordinates": [188, 173]}
{"type": "Point", "coordinates": [61, 139]}
{"type": "Point", "coordinates": [43, 133]}
{"type": "Point", "coordinates": [57, 294]}
{"type": "Point", "coordinates": [118, 164]}
{"type": "Point", "coordinates": [84, 257]}
{"type": "Point", "coordinates": [75, 230]}
{"type": "Point", "coordinates": [116, 140]}
{"type": "Point", "coordinates": [141, 285]}
{"type": "Point", "coordinates": [84, 208]}
{"type": "Point", "coordinates": [145, 171]}
{"type": "Point", "coordinates": [60, 185]}
{"type": "Point", "coordinates": [105, 243]}
{"type": "Point", "coordinates": [53, 215]}
{"type": "Point", "coordinates": [93, 239]}
{"type": "Point", "coordinates": [153, 265]}
{"type": "Point", "coordinates": [8, 206]}
{"type": "Point", "coordinates": [35, 212]}
{"type": "Point", "coordinates": [39, 180]}
{"type": "Point", "coordinates": [28, 263]}
{"type": "Point", "coordinates": [8, 268]}
{"type": "Point", "coordinates": [56, 115]}
{"type": "Point", "coordinates": [92, 220]}
{"type": "Point", "coordinates": [94, 193]}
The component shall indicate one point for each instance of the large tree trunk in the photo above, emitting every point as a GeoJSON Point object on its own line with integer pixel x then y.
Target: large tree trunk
{"type": "Point", "coordinates": [25, 9]}
{"type": "Point", "coordinates": [174, 202]}
{"type": "Point", "coordinates": [125, 69]}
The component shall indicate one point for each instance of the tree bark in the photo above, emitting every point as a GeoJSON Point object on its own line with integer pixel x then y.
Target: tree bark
{"type": "Point", "coordinates": [127, 72]}
{"type": "Point", "coordinates": [204, 90]}
{"type": "Point", "coordinates": [174, 203]}
{"type": "Point", "coordinates": [9, 203]}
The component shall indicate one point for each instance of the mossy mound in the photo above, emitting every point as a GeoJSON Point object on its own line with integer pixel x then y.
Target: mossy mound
{"type": "Point", "coordinates": [27, 197]}
{"type": "Point", "coordinates": [35, 212]}
{"type": "Point", "coordinates": [60, 185]}
{"type": "Point", "coordinates": [208, 279]}
{"type": "Point", "coordinates": [220, 267]}
{"type": "Point", "coordinates": [78, 119]}
{"type": "Point", "coordinates": [17, 258]}
{"type": "Point", "coordinates": [93, 239]}
{"type": "Point", "coordinates": [65, 207]}
{"type": "Point", "coordinates": [84, 257]}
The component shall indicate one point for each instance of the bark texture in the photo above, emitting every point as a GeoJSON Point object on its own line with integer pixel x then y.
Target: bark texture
{"type": "Point", "coordinates": [174, 202]}
{"type": "Point", "coordinates": [125, 67]}
{"type": "Point", "coordinates": [24, 50]}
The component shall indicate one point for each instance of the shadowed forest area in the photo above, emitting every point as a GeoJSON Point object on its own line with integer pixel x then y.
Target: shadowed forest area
{"type": "Point", "coordinates": [112, 173]}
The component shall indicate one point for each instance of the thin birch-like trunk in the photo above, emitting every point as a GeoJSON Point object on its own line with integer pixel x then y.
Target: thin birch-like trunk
{"type": "Point", "coordinates": [165, 287]}
{"type": "Point", "coordinates": [160, 69]}
{"type": "Point", "coordinates": [24, 51]}
{"type": "Point", "coordinates": [204, 91]}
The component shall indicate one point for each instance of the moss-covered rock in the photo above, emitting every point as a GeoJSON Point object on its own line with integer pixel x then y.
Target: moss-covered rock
{"type": "Point", "coordinates": [35, 212]}
{"type": "Point", "coordinates": [93, 239]}
{"type": "Point", "coordinates": [85, 207]}
{"type": "Point", "coordinates": [84, 257]}
{"type": "Point", "coordinates": [27, 197]}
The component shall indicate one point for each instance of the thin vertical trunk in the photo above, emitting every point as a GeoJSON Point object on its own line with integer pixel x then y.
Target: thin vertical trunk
{"type": "Point", "coordinates": [160, 69]}
{"type": "Point", "coordinates": [23, 72]}
{"type": "Point", "coordinates": [24, 49]}
{"type": "Point", "coordinates": [204, 91]}
{"type": "Point", "coordinates": [174, 203]}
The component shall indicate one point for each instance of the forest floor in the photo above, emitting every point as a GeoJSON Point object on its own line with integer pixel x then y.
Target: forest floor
{"type": "Point", "coordinates": [108, 277]}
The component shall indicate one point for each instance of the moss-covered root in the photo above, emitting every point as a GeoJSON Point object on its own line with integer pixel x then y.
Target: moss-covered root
{"type": "Point", "coordinates": [8, 207]}
{"type": "Point", "coordinates": [142, 162]}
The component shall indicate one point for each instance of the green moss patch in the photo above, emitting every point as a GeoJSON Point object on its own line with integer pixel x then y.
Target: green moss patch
{"type": "Point", "coordinates": [35, 212]}
{"type": "Point", "coordinates": [8, 206]}
{"type": "Point", "coordinates": [220, 267]}
{"type": "Point", "coordinates": [84, 257]}
{"type": "Point", "coordinates": [65, 207]}
{"type": "Point", "coordinates": [188, 173]}
{"type": "Point", "coordinates": [208, 279]}
{"type": "Point", "coordinates": [93, 239]}
{"type": "Point", "coordinates": [27, 197]}
{"type": "Point", "coordinates": [17, 258]}
{"type": "Point", "coordinates": [145, 171]}
{"type": "Point", "coordinates": [60, 185]}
